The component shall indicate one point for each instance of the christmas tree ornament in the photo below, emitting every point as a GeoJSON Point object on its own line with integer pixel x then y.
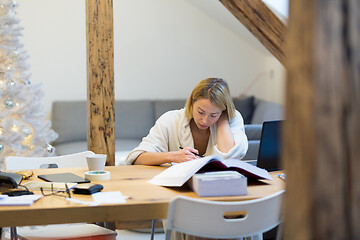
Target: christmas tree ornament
{"type": "Point", "coordinates": [3, 9]}
{"type": "Point", "coordinates": [8, 103]}
{"type": "Point", "coordinates": [26, 131]}
{"type": "Point", "coordinates": [49, 148]}
{"type": "Point", "coordinates": [23, 128]}
{"type": "Point", "coordinates": [11, 83]}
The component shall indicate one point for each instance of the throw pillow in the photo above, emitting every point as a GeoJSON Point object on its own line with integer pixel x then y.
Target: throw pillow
{"type": "Point", "coordinates": [246, 107]}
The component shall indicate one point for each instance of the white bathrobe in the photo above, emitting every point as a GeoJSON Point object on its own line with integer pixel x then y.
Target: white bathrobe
{"type": "Point", "coordinates": [172, 130]}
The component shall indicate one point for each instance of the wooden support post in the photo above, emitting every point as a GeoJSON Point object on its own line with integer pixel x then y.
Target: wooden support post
{"type": "Point", "coordinates": [261, 22]}
{"type": "Point", "coordinates": [100, 78]}
{"type": "Point", "coordinates": [322, 131]}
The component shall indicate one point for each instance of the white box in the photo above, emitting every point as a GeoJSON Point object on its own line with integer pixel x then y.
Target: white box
{"type": "Point", "coordinates": [221, 183]}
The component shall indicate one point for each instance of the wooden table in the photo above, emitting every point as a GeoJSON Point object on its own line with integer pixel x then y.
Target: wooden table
{"type": "Point", "coordinates": [147, 201]}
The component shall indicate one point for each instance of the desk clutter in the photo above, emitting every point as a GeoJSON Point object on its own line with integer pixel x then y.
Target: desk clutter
{"type": "Point", "coordinates": [26, 174]}
{"type": "Point", "coordinates": [145, 201]}
{"type": "Point", "coordinates": [58, 184]}
{"type": "Point", "coordinates": [9, 180]}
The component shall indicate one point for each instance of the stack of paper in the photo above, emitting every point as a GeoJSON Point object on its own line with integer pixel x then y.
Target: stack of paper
{"type": "Point", "coordinates": [221, 183]}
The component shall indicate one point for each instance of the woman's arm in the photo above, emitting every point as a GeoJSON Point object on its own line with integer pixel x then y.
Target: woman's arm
{"type": "Point", "coordinates": [158, 158]}
{"type": "Point", "coordinates": [225, 138]}
{"type": "Point", "coordinates": [154, 148]}
{"type": "Point", "coordinates": [240, 146]}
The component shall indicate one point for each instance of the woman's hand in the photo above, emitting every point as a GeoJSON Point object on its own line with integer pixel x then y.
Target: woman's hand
{"type": "Point", "coordinates": [223, 119]}
{"type": "Point", "coordinates": [184, 155]}
{"type": "Point", "coordinates": [158, 158]}
{"type": "Point", "coordinates": [225, 139]}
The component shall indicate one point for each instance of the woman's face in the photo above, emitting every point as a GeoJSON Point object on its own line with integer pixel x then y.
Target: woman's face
{"type": "Point", "coordinates": [205, 113]}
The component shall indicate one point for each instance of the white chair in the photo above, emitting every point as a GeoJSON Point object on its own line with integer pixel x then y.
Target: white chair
{"type": "Point", "coordinates": [56, 231]}
{"type": "Point", "coordinates": [212, 219]}
{"type": "Point", "coordinates": [65, 161]}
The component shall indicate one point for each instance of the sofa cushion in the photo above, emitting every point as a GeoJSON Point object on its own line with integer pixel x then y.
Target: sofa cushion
{"type": "Point", "coordinates": [133, 119]}
{"type": "Point", "coordinates": [253, 150]}
{"type": "Point", "coordinates": [253, 131]}
{"type": "Point", "coordinates": [246, 107]}
{"type": "Point", "coordinates": [69, 120]}
{"type": "Point", "coordinates": [267, 111]}
{"type": "Point", "coordinates": [121, 145]}
{"type": "Point", "coordinates": [162, 106]}
{"type": "Point", "coordinates": [122, 148]}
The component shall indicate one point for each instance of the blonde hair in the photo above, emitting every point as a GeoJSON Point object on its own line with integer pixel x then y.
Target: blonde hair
{"type": "Point", "coordinates": [214, 89]}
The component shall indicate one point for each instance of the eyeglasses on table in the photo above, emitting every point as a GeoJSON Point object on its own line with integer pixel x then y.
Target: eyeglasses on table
{"type": "Point", "coordinates": [59, 193]}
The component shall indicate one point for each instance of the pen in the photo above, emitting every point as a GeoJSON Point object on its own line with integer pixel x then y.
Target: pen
{"type": "Point", "coordinates": [282, 176]}
{"type": "Point", "coordinates": [194, 153]}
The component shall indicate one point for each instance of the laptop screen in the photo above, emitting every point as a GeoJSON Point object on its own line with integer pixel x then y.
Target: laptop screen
{"type": "Point", "coordinates": [270, 146]}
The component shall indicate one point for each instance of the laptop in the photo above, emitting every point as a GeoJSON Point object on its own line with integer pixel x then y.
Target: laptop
{"type": "Point", "coordinates": [270, 146]}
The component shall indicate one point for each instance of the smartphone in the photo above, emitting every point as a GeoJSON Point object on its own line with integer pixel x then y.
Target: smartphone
{"type": "Point", "coordinates": [87, 188]}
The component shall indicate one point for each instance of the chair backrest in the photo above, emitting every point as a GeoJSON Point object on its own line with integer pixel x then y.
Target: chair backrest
{"type": "Point", "coordinates": [204, 218]}
{"type": "Point", "coordinates": [64, 161]}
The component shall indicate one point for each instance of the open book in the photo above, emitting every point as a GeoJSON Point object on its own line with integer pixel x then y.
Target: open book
{"type": "Point", "coordinates": [178, 174]}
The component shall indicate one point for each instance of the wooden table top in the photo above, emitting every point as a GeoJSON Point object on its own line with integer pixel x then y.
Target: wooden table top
{"type": "Point", "coordinates": [146, 202]}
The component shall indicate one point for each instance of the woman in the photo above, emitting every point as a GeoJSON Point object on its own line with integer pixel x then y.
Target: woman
{"type": "Point", "coordinates": [208, 125]}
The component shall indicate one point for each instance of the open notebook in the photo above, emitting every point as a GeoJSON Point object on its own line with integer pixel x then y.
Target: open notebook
{"type": "Point", "coordinates": [178, 174]}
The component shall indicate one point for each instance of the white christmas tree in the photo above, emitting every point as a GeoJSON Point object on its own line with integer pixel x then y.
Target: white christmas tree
{"type": "Point", "coordinates": [23, 128]}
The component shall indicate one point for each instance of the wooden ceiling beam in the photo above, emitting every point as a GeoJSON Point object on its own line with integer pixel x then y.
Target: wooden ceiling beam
{"type": "Point", "coordinates": [262, 23]}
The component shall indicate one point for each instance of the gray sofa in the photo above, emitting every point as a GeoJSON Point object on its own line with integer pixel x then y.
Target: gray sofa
{"type": "Point", "coordinates": [134, 118]}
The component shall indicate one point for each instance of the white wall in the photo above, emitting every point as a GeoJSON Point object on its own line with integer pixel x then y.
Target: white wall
{"type": "Point", "coordinates": [162, 49]}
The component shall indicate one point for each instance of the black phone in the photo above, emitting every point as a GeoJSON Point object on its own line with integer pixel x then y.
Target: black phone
{"type": "Point", "coordinates": [87, 188]}
{"type": "Point", "coordinates": [11, 180]}
{"type": "Point", "coordinates": [18, 193]}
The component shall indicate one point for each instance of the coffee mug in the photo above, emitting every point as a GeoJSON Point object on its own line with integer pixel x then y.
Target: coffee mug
{"type": "Point", "coordinates": [96, 161]}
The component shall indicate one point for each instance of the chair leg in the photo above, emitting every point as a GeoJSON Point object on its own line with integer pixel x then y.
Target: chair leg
{"type": "Point", "coordinates": [279, 231]}
{"type": "Point", "coordinates": [13, 233]}
{"type": "Point", "coordinates": [168, 234]}
{"type": "Point", "coordinates": [153, 222]}
{"type": "Point", "coordinates": [108, 225]}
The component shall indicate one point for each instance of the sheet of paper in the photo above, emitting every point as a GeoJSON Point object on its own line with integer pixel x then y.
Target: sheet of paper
{"type": "Point", "coordinates": [178, 174]}
{"type": "Point", "coordinates": [109, 197]}
{"type": "Point", "coordinates": [3, 196]}
{"type": "Point", "coordinates": [248, 168]}
{"type": "Point", "coordinates": [24, 200]}
{"type": "Point", "coordinates": [57, 186]}
{"type": "Point", "coordinates": [99, 198]}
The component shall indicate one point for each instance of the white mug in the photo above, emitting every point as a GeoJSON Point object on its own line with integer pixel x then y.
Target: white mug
{"type": "Point", "coordinates": [96, 161]}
